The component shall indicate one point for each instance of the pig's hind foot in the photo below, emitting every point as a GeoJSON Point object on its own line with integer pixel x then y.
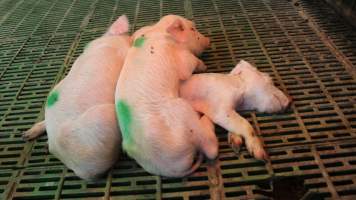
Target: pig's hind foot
{"type": "Point", "coordinates": [37, 130]}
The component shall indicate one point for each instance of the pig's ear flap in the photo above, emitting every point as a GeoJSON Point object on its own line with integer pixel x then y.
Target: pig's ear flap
{"type": "Point", "coordinates": [176, 29]}
{"type": "Point", "coordinates": [120, 26]}
{"type": "Point", "coordinates": [238, 68]}
{"type": "Point", "coordinates": [242, 65]}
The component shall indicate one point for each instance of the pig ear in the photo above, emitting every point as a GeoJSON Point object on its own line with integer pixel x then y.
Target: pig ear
{"type": "Point", "coordinates": [120, 26]}
{"type": "Point", "coordinates": [246, 64]}
{"type": "Point", "coordinates": [176, 29]}
{"type": "Point", "coordinates": [236, 70]}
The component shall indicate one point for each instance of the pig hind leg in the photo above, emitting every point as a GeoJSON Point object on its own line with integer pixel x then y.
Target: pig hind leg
{"type": "Point", "coordinates": [90, 145]}
{"type": "Point", "coordinates": [37, 130]}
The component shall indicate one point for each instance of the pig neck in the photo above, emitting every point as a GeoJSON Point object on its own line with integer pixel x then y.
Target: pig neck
{"type": "Point", "coordinates": [244, 89]}
{"type": "Point", "coordinates": [158, 61]}
{"type": "Point", "coordinates": [113, 41]}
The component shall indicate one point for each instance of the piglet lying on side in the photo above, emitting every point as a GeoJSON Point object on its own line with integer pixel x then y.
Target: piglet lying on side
{"type": "Point", "coordinates": [245, 88]}
{"type": "Point", "coordinates": [80, 112]}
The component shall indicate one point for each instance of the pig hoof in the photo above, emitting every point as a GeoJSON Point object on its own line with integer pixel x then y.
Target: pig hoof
{"type": "Point", "coordinates": [255, 147]}
{"type": "Point", "coordinates": [26, 136]}
{"type": "Point", "coordinates": [235, 141]}
{"type": "Point", "coordinates": [236, 149]}
{"type": "Point", "coordinates": [261, 154]}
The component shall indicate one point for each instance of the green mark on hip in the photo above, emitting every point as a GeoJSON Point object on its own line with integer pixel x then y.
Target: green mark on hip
{"type": "Point", "coordinates": [52, 98]}
{"type": "Point", "coordinates": [124, 115]}
{"type": "Point", "coordinates": [139, 42]}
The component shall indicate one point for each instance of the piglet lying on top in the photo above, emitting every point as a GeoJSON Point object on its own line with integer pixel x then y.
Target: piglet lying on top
{"type": "Point", "coordinates": [160, 130]}
{"type": "Point", "coordinates": [245, 88]}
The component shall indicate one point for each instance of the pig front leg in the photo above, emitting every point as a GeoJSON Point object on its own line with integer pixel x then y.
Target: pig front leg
{"type": "Point", "coordinates": [201, 67]}
{"type": "Point", "coordinates": [188, 64]}
{"type": "Point", "coordinates": [238, 126]}
{"type": "Point", "coordinates": [37, 130]}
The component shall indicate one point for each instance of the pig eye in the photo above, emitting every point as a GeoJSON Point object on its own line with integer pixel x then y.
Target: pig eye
{"type": "Point", "coordinates": [192, 29]}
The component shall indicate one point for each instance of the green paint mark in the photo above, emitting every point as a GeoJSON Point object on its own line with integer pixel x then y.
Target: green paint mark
{"type": "Point", "coordinates": [52, 98]}
{"type": "Point", "coordinates": [124, 115]}
{"type": "Point", "coordinates": [139, 42]}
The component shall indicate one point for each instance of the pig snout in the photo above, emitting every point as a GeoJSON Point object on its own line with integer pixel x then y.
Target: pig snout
{"type": "Point", "coordinates": [206, 42]}
{"type": "Point", "coordinates": [289, 102]}
{"type": "Point", "coordinates": [285, 101]}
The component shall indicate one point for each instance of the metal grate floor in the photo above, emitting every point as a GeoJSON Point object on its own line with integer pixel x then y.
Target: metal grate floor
{"type": "Point", "coordinates": [303, 45]}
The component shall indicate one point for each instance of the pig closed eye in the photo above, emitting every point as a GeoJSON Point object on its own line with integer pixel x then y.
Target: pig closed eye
{"type": "Point", "coordinates": [192, 29]}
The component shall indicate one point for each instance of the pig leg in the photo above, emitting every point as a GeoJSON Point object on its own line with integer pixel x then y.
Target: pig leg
{"type": "Point", "coordinates": [90, 144]}
{"type": "Point", "coordinates": [201, 67]}
{"type": "Point", "coordinates": [36, 130]}
{"type": "Point", "coordinates": [239, 126]}
{"type": "Point", "coordinates": [189, 63]}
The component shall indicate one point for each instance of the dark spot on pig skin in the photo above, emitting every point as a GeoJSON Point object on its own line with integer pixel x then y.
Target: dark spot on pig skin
{"type": "Point", "coordinates": [191, 130]}
{"type": "Point", "coordinates": [151, 52]}
{"type": "Point", "coordinates": [192, 29]}
{"type": "Point", "coordinates": [227, 115]}
{"type": "Point", "coordinates": [198, 38]}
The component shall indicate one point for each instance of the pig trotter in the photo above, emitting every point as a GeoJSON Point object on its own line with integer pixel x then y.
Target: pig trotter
{"type": "Point", "coordinates": [255, 147]}
{"type": "Point", "coordinates": [235, 141]}
{"type": "Point", "coordinates": [37, 130]}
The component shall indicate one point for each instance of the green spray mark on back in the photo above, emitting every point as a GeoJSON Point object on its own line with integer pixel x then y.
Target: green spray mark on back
{"type": "Point", "coordinates": [139, 42]}
{"type": "Point", "coordinates": [52, 98]}
{"type": "Point", "coordinates": [124, 115]}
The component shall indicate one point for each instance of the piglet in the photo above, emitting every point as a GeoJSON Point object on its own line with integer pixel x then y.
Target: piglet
{"type": "Point", "coordinates": [80, 112]}
{"type": "Point", "coordinates": [245, 88]}
{"type": "Point", "coordinates": [161, 131]}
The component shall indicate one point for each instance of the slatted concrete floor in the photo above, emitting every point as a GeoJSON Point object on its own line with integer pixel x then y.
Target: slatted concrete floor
{"type": "Point", "coordinates": [303, 45]}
